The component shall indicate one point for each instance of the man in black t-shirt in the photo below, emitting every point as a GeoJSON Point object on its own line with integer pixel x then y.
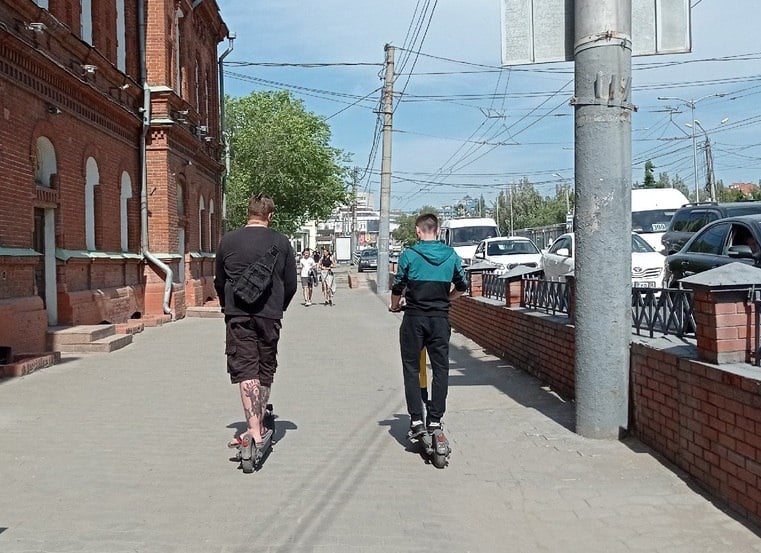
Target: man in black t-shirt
{"type": "Point", "coordinates": [253, 331]}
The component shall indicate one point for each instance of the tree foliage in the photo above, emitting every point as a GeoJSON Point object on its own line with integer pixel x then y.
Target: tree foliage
{"type": "Point", "coordinates": [649, 181]}
{"type": "Point", "coordinates": [527, 208]}
{"type": "Point", "coordinates": [280, 149]}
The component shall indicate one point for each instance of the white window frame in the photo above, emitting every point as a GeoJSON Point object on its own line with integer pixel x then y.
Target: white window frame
{"type": "Point", "coordinates": [92, 179]}
{"type": "Point", "coordinates": [124, 196]}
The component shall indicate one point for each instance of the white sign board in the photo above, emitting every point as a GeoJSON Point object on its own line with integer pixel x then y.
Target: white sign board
{"type": "Point", "coordinates": [542, 31]}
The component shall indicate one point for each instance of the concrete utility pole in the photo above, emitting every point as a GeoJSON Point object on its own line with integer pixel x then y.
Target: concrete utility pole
{"type": "Point", "coordinates": [385, 191]}
{"type": "Point", "coordinates": [603, 158]}
{"type": "Point", "coordinates": [354, 177]}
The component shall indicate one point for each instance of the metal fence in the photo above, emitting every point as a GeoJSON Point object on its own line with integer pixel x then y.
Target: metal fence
{"type": "Point", "coordinates": [547, 295]}
{"type": "Point", "coordinates": [663, 310]}
{"type": "Point", "coordinates": [654, 310]}
{"type": "Point", "coordinates": [493, 287]}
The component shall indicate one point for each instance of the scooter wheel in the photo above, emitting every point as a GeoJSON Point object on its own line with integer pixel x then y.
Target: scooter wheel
{"type": "Point", "coordinates": [439, 461]}
{"type": "Point", "coordinates": [247, 465]}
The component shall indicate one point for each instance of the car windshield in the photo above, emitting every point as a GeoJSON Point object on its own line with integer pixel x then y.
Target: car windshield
{"type": "Point", "coordinates": [510, 247]}
{"type": "Point", "coordinates": [369, 253]}
{"type": "Point", "coordinates": [640, 246]}
{"type": "Point", "coordinates": [472, 235]}
{"type": "Point", "coordinates": [656, 220]}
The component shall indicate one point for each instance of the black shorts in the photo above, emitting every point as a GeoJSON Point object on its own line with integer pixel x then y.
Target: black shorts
{"type": "Point", "coordinates": [251, 349]}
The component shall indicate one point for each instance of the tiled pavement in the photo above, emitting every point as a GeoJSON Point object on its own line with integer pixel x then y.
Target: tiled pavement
{"type": "Point", "coordinates": [125, 452]}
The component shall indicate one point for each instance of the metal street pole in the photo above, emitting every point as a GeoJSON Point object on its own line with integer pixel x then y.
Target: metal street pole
{"type": "Point", "coordinates": [385, 192]}
{"type": "Point", "coordinates": [603, 158]}
{"type": "Point", "coordinates": [691, 104]}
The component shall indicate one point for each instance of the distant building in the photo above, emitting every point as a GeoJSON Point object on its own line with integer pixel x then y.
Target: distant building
{"type": "Point", "coordinates": [746, 188]}
{"type": "Point", "coordinates": [104, 104]}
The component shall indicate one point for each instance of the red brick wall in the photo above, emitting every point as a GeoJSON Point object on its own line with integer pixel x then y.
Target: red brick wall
{"type": "Point", "coordinates": [704, 419]}
{"type": "Point", "coordinates": [539, 344]}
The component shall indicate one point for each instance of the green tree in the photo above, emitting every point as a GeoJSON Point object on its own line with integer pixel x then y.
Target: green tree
{"type": "Point", "coordinates": [280, 149]}
{"type": "Point", "coordinates": [405, 232]}
{"type": "Point", "coordinates": [649, 178]}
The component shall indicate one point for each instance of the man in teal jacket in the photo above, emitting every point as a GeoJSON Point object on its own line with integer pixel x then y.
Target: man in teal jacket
{"type": "Point", "coordinates": [427, 271]}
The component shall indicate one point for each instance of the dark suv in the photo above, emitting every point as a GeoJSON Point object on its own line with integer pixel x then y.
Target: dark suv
{"type": "Point", "coordinates": [691, 218]}
{"type": "Point", "coordinates": [719, 243]}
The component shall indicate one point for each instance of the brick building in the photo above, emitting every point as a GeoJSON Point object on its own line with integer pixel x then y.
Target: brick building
{"type": "Point", "coordinates": [109, 161]}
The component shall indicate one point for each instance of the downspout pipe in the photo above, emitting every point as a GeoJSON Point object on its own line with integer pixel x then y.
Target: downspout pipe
{"type": "Point", "coordinates": [222, 129]}
{"type": "Point", "coordinates": [146, 117]}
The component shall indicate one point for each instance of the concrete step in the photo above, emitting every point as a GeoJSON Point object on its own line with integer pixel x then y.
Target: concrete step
{"type": "Point", "coordinates": [80, 334]}
{"type": "Point", "coordinates": [104, 345]}
{"type": "Point", "coordinates": [156, 320]}
{"type": "Point", "coordinates": [133, 326]}
{"type": "Point", "coordinates": [206, 311]}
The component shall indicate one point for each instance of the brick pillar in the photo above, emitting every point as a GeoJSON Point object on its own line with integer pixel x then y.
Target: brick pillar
{"type": "Point", "coordinates": [725, 326]}
{"type": "Point", "coordinates": [475, 285]}
{"type": "Point", "coordinates": [513, 292]}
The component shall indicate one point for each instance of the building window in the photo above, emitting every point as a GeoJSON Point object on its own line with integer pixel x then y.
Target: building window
{"type": "Point", "coordinates": [85, 21]}
{"type": "Point", "coordinates": [210, 240]}
{"type": "Point", "coordinates": [201, 225]}
{"type": "Point", "coordinates": [47, 166]}
{"type": "Point", "coordinates": [197, 85]}
{"type": "Point", "coordinates": [180, 200]}
{"type": "Point", "coordinates": [178, 15]}
{"type": "Point", "coordinates": [42, 3]}
{"type": "Point", "coordinates": [124, 197]}
{"type": "Point", "coordinates": [121, 37]}
{"type": "Point", "coordinates": [92, 179]}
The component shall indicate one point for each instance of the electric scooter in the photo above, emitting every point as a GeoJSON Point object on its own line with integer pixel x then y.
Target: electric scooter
{"type": "Point", "coordinates": [252, 460]}
{"type": "Point", "coordinates": [434, 444]}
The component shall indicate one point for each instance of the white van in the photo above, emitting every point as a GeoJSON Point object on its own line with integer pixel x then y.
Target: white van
{"type": "Point", "coordinates": [465, 234]}
{"type": "Point", "coordinates": [652, 210]}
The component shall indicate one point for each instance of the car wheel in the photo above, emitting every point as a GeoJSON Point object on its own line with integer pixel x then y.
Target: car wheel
{"type": "Point", "coordinates": [359, 268]}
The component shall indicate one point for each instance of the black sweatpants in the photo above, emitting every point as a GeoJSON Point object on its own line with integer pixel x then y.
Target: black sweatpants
{"type": "Point", "coordinates": [415, 333]}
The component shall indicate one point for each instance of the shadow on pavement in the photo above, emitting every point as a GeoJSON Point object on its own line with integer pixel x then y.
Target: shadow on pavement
{"type": "Point", "coordinates": [397, 428]}
{"type": "Point", "coordinates": [281, 428]}
{"type": "Point", "coordinates": [511, 381]}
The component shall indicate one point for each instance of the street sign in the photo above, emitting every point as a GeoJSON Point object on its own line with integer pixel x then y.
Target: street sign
{"type": "Point", "coordinates": [542, 31]}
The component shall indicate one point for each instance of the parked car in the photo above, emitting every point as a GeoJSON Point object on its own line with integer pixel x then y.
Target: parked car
{"type": "Point", "coordinates": [647, 264]}
{"type": "Point", "coordinates": [508, 252]}
{"type": "Point", "coordinates": [693, 217]}
{"type": "Point", "coordinates": [368, 259]}
{"type": "Point", "coordinates": [721, 242]}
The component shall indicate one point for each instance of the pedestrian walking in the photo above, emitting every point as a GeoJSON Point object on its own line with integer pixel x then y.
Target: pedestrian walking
{"type": "Point", "coordinates": [429, 276]}
{"type": "Point", "coordinates": [263, 258]}
{"type": "Point", "coordinates": [326, 266]}
{"type": "Point", "coordinates": [307, 264]}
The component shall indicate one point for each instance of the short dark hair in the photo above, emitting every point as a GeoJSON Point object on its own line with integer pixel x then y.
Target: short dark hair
{"type": "Point", "coordinates": [260, 205]}
{"type": "Point", "coordinates": [427, 222]}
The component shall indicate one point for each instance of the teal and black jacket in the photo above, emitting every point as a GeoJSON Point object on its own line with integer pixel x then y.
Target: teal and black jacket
{"type": "Point", "coordinates": [427, 270]}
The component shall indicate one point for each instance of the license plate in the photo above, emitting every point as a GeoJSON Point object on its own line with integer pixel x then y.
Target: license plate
{"type": "Point", "coordinates": [644, 283]}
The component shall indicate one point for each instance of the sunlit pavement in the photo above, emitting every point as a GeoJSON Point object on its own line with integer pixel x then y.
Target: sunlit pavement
{"type": "Point", "coordinates": [125, 452]}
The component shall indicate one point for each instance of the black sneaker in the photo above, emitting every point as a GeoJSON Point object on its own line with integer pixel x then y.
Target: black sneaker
{"type": "Point", "coordinates": [417, 429]}
{"type": "Point", "coordinates": [434, 425]}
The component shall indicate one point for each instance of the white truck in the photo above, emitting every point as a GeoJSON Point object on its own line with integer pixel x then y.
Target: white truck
{"type": "Point", "coordinates": [343, 249]}
{"type": "Point", "coordinates": [465, 234]}
{"type": "Point", "coordinates": [652, 210]}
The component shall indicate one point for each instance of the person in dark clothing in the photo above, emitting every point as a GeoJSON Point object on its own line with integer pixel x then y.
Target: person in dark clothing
{"type": "Point", "coordinates": [253, 331]}
{"type": "Point", "coordinates": [425, 275]}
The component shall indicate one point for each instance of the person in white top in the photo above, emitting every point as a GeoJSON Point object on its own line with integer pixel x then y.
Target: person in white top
{"type": "Point", "coordinates": [307, 264]}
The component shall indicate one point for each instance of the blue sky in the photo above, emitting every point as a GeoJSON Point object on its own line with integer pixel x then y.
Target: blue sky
{"type": "Point", "coordinates": [515, 122]}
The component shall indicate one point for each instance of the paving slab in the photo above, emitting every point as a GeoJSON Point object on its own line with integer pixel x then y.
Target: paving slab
{"type": "Point", "coordinates": [126, 453]}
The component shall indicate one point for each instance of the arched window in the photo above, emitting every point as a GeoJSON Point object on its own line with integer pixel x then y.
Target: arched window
{"type": "Point", "coordinates": [178, 15]}
{"type": "Point", "coordinates": [197, 84]}
{"type": "Point", "coordinates": [47, 165]}
{"type": "Point", "coordinates": [121, 37]}
{"type": "Point", "coordinates": [85, 21]}
{"type": "Point", "coordinates": [180, 199]}
{"type": "Point", "coordinates": [201, 224]}
{"type": "Point", "coordinates": [126, 194]}
{"type": "Point", "coordinates": [210, 242]}
{"type": "Point", "coordinates": [92, 179]}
